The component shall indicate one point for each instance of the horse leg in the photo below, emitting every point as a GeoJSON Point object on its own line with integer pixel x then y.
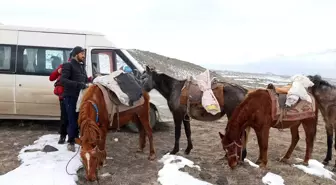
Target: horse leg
{"type": "Point", "coordinates": [178, 122]}
{"type": "Point", "coordinates": [295, 139]}
{"type": "Point", "coordinates": [259, 138]}
{"type": "Point", "coordinates": [263, 139]}
{"type": "Point", "coordinates": [142, 136]}
{"type": "Point", "coordinates": [186, 123]}
{"type": "Point", "coordinates": [149, 132]}
{"type": "Point", "coordinates": [329, 131]}
{"type": "Point", "coordinates": [334, 169]}
{"type": "Point", "coordinates": [309, 127]}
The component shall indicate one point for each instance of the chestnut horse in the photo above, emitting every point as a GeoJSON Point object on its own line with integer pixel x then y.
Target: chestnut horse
{"type": "Point", "coordinates": [172, 90]}
{"type": "Point", "coordinates": [94, 124]}
{"type": "Point", "coordinates": [256, 111]}
{"type": "Point", "coordinates": [325, 95]}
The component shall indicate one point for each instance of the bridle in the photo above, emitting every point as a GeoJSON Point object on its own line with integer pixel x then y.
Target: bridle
{"type": "Point", "coordinates": [97, 153]}
{"type": "Point", "coordinates": [235, 153]}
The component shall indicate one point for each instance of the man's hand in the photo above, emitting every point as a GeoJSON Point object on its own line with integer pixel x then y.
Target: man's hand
{"type": "Point", "coordinates": [59, 70]}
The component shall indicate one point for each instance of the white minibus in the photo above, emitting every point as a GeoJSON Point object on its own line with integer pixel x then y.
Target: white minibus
{"type": "Point", "coordinates": [28, 56]}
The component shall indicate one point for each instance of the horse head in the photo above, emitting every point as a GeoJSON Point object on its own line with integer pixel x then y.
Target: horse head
{"type": "Point", "coordinates": [92, 157]}
{"type": "Point", "coordinates": [149, 78]}
{"type": "Point", "coordinates": [316, 79]}
{"type": "Point", "coordinates": [232, 149]}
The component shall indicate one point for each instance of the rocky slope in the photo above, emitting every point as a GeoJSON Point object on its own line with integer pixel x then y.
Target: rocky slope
{"type": "Point", "coordinates": [176, 68]}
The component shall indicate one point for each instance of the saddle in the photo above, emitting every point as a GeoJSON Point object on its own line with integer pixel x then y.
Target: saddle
{"type": "Point", "coordinates": [192, 93]}
{"type": "Point", "coordinates": [301, 110]}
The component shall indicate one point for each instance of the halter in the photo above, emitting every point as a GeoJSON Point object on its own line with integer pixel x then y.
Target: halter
{"type": "Point", "coordinates": [235, 153]}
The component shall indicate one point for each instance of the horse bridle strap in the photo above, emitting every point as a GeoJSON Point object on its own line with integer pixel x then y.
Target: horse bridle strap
{"type": "Point", "coordinates": [237, 145]}
{"type": "Point", "coordinates": [97, 111]}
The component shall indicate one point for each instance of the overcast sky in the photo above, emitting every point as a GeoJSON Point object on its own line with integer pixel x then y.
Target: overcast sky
{"type": "Point", "coordinates": [199, 31]}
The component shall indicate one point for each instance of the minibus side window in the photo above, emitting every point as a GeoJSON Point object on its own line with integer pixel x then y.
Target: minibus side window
{"type": "Point", "coordinates": [40, 60]}
{"type": "Point", "coordinates": [102, 62]}
{"type": "Point", "coordinates": [7, 58]}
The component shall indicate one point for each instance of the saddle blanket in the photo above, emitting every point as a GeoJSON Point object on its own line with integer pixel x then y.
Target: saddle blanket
{"type": "Point", "coordinates": [301, 110]}
{"type": "Point", "coordinates": [202, 84]}
{"type": "Point", "coordinates": [113, 82]}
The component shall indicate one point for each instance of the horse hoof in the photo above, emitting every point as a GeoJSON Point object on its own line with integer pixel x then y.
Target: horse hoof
{"type": "Point", "coordinates": [187, 151]}
{"type": "Point", "coordinates": [303, 163]}
{"type": "Point", "coordinates": [325, 162]}
{"type": "Point", "coordinates": [173, 152]}
{"type": "Point", "coordinates": [262, 166]}
{"type": "Point", "coordinates": [140, 151]}
{"type": "Point", "coordinates": [258, 162]}
{"type": "Point", "coordinates": [334, 169]}
{"type": "Point", "coordinates": [151, 157]}
{"type": "Point", "coordinates": [284, 160]}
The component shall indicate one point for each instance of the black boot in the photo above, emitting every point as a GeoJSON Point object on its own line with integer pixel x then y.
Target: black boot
{"type": "Point", "coordinates": [61, 140]}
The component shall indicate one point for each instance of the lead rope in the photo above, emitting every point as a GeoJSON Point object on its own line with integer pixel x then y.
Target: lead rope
{"type": "Point", "coordinates": [66, 167]}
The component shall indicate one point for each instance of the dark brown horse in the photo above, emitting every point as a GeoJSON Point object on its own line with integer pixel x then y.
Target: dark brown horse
{"type": "Point", "coordinates": [261, 111]}
{"type": "Point", "coordinates": [178, 93]}
{"type": "Point", "coordinates": [325, 95]}
{"type": "Point", "coordinates": [94, 124]}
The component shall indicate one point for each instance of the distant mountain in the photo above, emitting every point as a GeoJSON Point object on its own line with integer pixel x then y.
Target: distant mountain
{"type": "Point", "coordinates": [322, 63]}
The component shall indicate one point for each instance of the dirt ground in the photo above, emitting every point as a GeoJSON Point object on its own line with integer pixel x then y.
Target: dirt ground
{"type": "Point", "coordinates": [129, 167]}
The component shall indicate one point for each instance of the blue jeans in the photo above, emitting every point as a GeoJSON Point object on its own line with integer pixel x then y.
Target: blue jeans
{"type": "Point", "coordinates": [70, 105]}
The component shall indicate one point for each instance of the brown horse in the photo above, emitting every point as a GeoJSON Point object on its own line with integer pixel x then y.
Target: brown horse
{"type": "Point", "coordinates": [261, 110]}
{"type": "Point", "coordinates": [325, 95]}
{"type": "Point", "coordinates": [94, 124]}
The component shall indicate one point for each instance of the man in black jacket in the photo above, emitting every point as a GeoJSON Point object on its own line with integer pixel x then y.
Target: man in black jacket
{"type": "Point", "coordinates": [74, 78]}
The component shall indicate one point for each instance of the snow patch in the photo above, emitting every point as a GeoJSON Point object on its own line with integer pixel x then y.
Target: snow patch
{"type": "Point", "coordinates": [170, 174]}
{"type": "Point", "coordinates": [315, 168]}
{"type": "Point", "coordinates": [41, 168]}
{"type": "Point", "coordinates": [273, 179]}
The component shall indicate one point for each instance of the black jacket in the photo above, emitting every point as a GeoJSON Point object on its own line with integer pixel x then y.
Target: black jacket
{"type": "Point", "coordinates": [73, 78]}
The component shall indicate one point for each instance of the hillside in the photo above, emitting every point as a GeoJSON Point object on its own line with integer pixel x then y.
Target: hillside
{"type": "Point", "coordinates": [176, 68]}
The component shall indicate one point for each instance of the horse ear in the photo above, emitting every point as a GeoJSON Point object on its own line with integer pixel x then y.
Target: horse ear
{"type": "Point", "coordinates": [148, 69]}
{"type": "Point", "coordinates": [78, 141]}
{"type": "Point", "coordinates": [220, 135]}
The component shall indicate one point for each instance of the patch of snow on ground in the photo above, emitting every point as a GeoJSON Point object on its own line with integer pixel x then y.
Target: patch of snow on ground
{"type": "Point", "coordinates": [40, 168]}
{"type": "Point", "coordinates": [251, 163]}
{"type": "Point", "coordinates": [270, 178]}
{"type": "Point", "coordinates": [170, 174]}
{"type": "Point", "coordinates": [315, 168]}
{"type": "Point", "coordinates": [273, 179]}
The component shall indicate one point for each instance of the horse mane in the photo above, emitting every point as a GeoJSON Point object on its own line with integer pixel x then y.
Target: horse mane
{"type": "Point", "coordinates": [241, 113]}
{"type": "Point", "coordinates": [245, 91]}
{"type": "Point", "coordinates": [88, 126]}
{"type": "Point", "coordinates": [319, 82]}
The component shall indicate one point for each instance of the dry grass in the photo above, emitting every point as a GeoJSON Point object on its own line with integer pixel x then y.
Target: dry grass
{"type": "Point", "coordinates": [129, 167]}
